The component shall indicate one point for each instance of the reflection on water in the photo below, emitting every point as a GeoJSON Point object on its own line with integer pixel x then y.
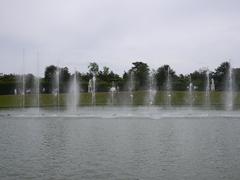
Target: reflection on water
{"type": "Point", "coordinates": [120, 144]}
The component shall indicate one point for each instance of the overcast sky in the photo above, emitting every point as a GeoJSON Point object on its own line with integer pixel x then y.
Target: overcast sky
{"type": "Point", "coordinates": [186, 34]}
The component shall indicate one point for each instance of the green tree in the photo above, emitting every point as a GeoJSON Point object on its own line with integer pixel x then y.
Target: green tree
{"type": "Point", "coordinates": [50, 73]}
{"type": "Point", "coordinates": [105, 79]}
{"type": "Point", "coordinates": [181, 83]}
{"type": "Point", "coordinates": [65, 75]}
{"type": "Point", "coordinates": [8, 82]}
{"type": "Point", "coordinates": [106, 70]}
{"type": "Point", "coordinates": [220, 76]}
{"type": "Point", "coordinates": [199, 79]}
{"type": "Point", "coordinates": [29, 80]}
{"type": "Point", "coordinates": [236, 73]}
{"type": "Point", "coordinates": [49, 76]}
{"type": "Point", "coordinates": [161, 76]}
{"type": "Point", "coordinates": [141, 73]}
{"type": "Point", "coordinates": [93, 68]}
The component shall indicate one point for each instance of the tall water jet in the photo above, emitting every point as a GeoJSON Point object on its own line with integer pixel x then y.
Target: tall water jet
{"type": "Point", "coordinates": [90, 85]}
{"type": "Point", "coordinates": [73, 94]}
{"type": "Point", "coordinates": [151, 88]}
{"type": "Point", "coordinates": [168, 96]}
{"type": "Point", "coordinates": [23, 79]}
{"type": "Point", "coordinates": [93, 89]}
{"type": "Point", "coordinates": [112, 92]}
{"type": "Point", "coordinates": [229, 89]}
{"type": "Point", "coordinates": [37, 85]}
{"type": "Point", "coordinates": [190, 93]}
{"type": "Point", "coordinates": [207, 89]}
{"type": "Point", "coordinates": [131, 86]}
{"type": "Point", "coordinates": [56, 87]}
{"type": "Point", "coordinates": [212, 85]}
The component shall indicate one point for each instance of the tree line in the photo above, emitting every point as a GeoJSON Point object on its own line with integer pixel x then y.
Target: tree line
{"type": "Point", "coordinates": [106, 78]}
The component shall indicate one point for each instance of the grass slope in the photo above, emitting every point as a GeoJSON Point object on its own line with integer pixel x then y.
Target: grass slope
{"type": "Point", "coordinates": [122, 98]}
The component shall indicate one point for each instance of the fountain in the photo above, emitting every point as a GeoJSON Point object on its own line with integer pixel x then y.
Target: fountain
{"type": "Point", "coordinates": [23, 90]}
{"type": "Point", "coordinates": [92, 88]}
{"type": "Point", "coordinates": [73, 94]}
{"type": "Point", "coordinates": [131, 87]}
{"type": "Point", "coordinates": [37, 85]}
{"type": "Point", "coordinates": [96, 140]}
{"type": "Point", "coordinates": [229, 89]}
{"type": "Point", "coordinates": [37, 92]}
{"type": "Point", "coordinates": [190, 93]}
{"type": "Point", "coordinates": [151, 88]}
{"type": "Point", "coordinates": [90, 85]}
{"type": "Point", "coordinates": [112, 92]}
{"type": "Point", "coordinates": [207, 89]}
{"type": "Point", "coordinates": [56, 88]}
{"type": "Point", "coordinates": [212, 85]}
{"type": "Point", "coordinates": [168, 88]}
{"type": "Point", "coordinates": [23, 79]}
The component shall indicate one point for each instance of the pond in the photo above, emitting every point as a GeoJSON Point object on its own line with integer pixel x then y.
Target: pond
{"type": "Point", "coordinates": [120, 143]}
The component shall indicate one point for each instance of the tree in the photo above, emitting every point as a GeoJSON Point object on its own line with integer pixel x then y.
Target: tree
{"type": "Point", "coordinates": [93, 68]}
{"type": "Point", "coordinates": [161, 76]}
{"type": "Point", "coordinates": [105, 70]}
{"type": "Point", "coordinates": [65, 75]}
{"type": "Point", "coordinates": [181, 83]}
{"type": "Point", "coordinates": [84, 79]}
{"type": "Point", "coordinates": [198, 79]}
{"type": "Point", "coordinates": [103, 75]}
{"type": "Point", "coordinates": [106, 77]}
{"type": "Point", "coordinates": [50, 73]}
{"type": "Point", "coordinates": [29, 82]}
{"type": "Point", "coordinates": [141, 73]}
{"type": "Point", "coordinates": [220, 76]}
{"type": "Point", "coordinates": [8, 83]}
{"type": "Point", "coordinates": [236, 73]}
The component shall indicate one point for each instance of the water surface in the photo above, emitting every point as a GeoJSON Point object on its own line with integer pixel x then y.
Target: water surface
{"type": "Point", "coordinates": [120, 143]}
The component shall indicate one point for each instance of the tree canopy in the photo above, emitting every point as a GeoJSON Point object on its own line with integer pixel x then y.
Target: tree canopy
{"type": "Point", "coordinates": [9, 83]}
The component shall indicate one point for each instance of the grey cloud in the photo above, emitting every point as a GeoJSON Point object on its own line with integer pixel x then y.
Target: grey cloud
{"type": "Point", "coordinates": [186, 34]}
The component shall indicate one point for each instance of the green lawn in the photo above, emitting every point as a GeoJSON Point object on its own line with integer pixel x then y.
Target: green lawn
{"type": "Point", "coordinates": [122, 98]}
